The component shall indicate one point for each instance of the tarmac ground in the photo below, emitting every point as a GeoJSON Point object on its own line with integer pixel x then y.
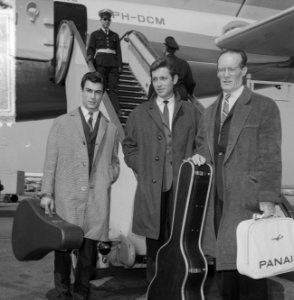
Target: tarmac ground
{"type": "Point", "coordinates": [33, 280]}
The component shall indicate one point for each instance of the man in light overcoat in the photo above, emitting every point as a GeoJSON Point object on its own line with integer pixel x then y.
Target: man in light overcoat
{"type": "Point", "coordinates": [81, 163]}
{"type": "Point", "coordinates": [240, 137]}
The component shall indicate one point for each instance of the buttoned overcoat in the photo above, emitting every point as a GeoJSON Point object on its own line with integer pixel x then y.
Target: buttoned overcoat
{"type": "Point", "coordinates": [251, 169]}
{"type": "Point", "coordinates": [144, 149]}
{"type": "Point", "coordinates": [81, 198]}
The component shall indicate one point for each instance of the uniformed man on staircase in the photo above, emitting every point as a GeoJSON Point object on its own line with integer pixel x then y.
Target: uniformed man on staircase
{"type": "Point", "coordinates": [105, 53]}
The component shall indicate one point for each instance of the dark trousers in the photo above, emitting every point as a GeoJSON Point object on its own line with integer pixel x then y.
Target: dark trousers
{"type": "Point", "coordinates": [153, 245]}
{"type": "Point", "coordinates": [111, 75]}
{"type": "Point", "coordinates": [234, 286]}
{"type": "Point", "coordinates": [85, 270]}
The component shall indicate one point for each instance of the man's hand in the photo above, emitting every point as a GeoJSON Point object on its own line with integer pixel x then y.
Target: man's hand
{"type": "Point", "coordinates": [198, 159]}
{"type": "Point", "coordinates": [48, 204]}
{"type": "Point", "coordinates": [268, 209]}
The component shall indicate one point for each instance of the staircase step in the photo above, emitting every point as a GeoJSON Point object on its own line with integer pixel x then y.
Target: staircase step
{"type": "Point", "coordinates": [129, 82]}
{"type": "Point", "coordinates": [129, 88]}
{"type": "Point", "coordinates": [127, 79]}
{"type": "Point", "coordinates": [128, 106]}
{"type": "Point", "coordinates": [132, 99]}
{"type": "Point", "coordinates": [130, 93]}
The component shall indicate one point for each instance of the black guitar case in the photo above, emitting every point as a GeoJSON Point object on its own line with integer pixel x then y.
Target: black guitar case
{"type": "Point", "coordinates": [181, 267]}
{"type": "Point", "coordinates": [35, 234]}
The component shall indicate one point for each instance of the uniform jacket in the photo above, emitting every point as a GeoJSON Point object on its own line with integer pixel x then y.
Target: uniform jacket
{"type": "Point", "coordinates": [251, 169]}
{"type": "Point", "coordinates": [144, 150]}
{"type": "Point", "coordinates": [184, 71]}
{"type": "Point", "coordinates": [100, 40]}
{"type": "Point", "coordinates": [80, 198]}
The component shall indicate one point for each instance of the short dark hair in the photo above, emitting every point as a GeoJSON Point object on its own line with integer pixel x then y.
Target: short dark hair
{"type": "Point", "coordinates": [94, 77]}
{"type": "Point", "coordinates": [162, 62]}
{"type": "Point", "coordinates": [237, 51]}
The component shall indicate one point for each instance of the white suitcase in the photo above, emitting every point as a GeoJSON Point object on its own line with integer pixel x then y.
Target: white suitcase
{"type": "Point", "coordinates": [265, 247]}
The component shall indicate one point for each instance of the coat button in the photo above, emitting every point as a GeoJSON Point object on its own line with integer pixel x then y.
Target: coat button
{"type": "Point", "coordinates": [159, 137]}
{"type": "Point", "coordinates": [83, 188]}
{"type": "Point", "coordinates": [157, 158]}
{"type": "Point", "coordinates": [153, 180]}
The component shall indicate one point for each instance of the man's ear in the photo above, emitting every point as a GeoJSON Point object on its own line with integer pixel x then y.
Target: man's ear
{"type": "Point", "coordinates": [244, 71]}
{"type": "Point", "coordinates": [176, 78]}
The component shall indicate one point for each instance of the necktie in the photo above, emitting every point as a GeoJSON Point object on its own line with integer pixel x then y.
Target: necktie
{"type": "Point", "coordinates": [166, 113]}
{"type": "Point", "coordinates": [226, 108]}
{"type": "Point", "coordinates": [90, 121]}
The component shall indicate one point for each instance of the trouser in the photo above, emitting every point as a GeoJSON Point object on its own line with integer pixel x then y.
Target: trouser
{"type": "Point", "coordinates": [85, 270]}
{"type": "Point", "coordinates": [234, 286]}
{"type": "Point", "coordinates": [152, 245]}
{"type": "Point", "coordinates": [111, 75]}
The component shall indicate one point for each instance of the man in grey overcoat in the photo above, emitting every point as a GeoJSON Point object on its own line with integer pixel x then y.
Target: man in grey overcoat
{"type": "Point", "coordinates": [80, 165]}
{"type": "Point", "coordinates": [154, 148]}
{"type": "Point", "coordinates": [240, 137]}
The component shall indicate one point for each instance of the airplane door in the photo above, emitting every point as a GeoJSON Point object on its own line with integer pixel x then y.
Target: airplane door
{"type": "Point", "coordinates": [71, 12]}
{"type": "Point", "coordinates": [34, 29]}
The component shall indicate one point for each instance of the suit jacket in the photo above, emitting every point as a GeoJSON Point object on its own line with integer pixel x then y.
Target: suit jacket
{"type": "Point", "coordinates": [251, 171]}
{"type": "Point", "coordinates": [144, 148]}
{"type": "Point", "coordinates": [80, 198]}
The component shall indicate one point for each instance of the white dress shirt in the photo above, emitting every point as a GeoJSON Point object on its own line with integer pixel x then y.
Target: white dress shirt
{"type": "Point", "coordinates": [234, 97]}
{"type": "Point", "coordinates": [87, 115]}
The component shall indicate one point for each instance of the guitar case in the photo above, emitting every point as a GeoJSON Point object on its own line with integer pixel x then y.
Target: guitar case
{"type": "Point", "coordinates": [181, 267]}
{"type": "Point", "coordinates": [35, 234]}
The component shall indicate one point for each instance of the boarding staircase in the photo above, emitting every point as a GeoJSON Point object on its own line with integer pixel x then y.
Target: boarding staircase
{"type": "Point", "coordinates": [131, 93]}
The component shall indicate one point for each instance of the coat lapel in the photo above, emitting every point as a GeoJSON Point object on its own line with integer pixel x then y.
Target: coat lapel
{"type": "Point", "coordinates": [100, 135]}
{"type": "Point", "coordinates": [210, 127]}
{"type": "Point", "coordinates": [78, 122]}
{"type": "Point", "coordinates": [154, 113]}
{"type": "Point", "coordinates": [239, 118]}
{"type": "Point", "coordinates": [178, 105]}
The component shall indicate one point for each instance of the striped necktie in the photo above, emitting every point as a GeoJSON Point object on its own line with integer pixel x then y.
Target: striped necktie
{"type": "Point", "coordinates": [166, 113]}
{"type": "Point", "coordinates": [90, 121]}
{"type": "Point", "coordinates": [225, 108]}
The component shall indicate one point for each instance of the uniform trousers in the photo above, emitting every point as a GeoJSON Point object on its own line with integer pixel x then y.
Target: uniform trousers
{"type": "Point", "coordinates": [84, 272]}
{"type": "Point", "coordinates": [152, 245]}
{"type": "Point", "coordinates": [111, 75]}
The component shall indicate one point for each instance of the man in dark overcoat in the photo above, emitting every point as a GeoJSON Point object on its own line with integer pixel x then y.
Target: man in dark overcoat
{"type": "Point", "coordinates": [241, 138]}
{"type": "Point", "coordinates": [105, 52]}
{"type": "Point", "coordinates": [154, 148]}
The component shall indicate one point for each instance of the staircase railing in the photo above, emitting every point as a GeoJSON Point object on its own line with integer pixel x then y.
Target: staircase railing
{"type": "Point", "coordinates": [140, 55]}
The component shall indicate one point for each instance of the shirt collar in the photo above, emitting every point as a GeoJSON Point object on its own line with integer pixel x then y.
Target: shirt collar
{"type": "Point", "coordinates": [160, 100]}
{"type": "Point", "coordinates": [237, 93]}
{"type": "Point", "coordinates": [103, 29]}
{"type": "Point", "coordinates": [86, 113]}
